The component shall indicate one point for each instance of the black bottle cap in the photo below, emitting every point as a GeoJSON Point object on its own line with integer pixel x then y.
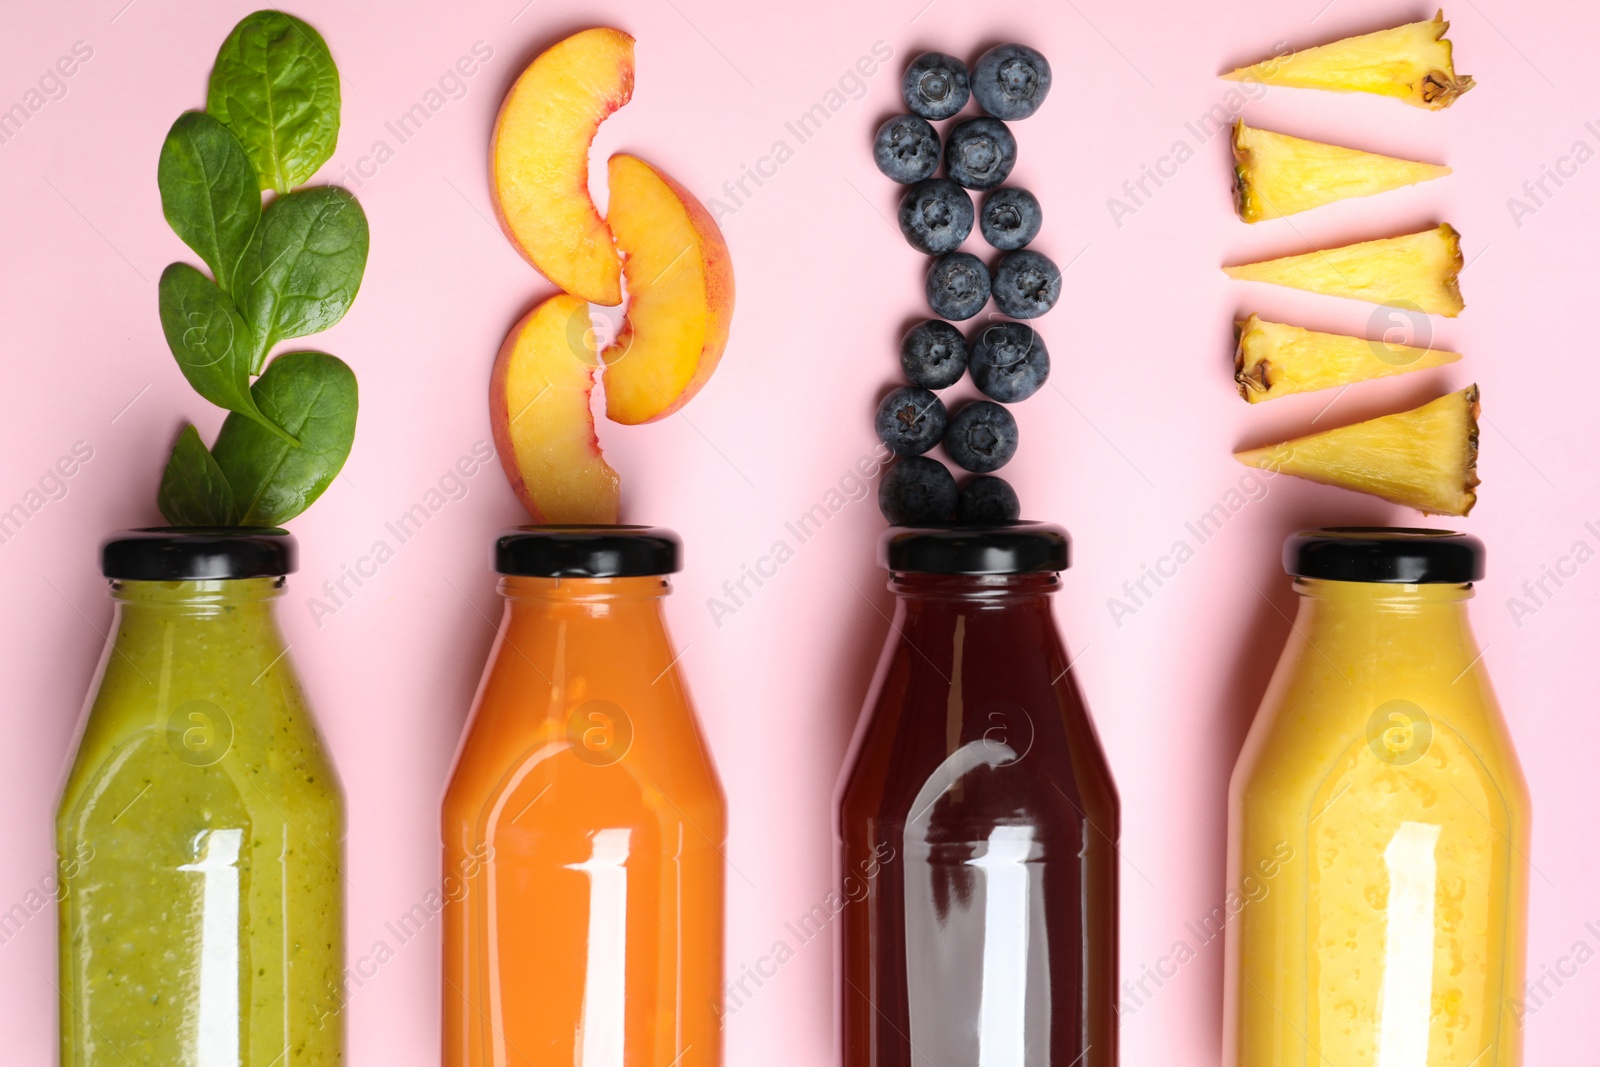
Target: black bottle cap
{"type": "Point", "coordinates": [1384, 554]}
{"type": "Point", "coordinates": [988, 548]}
{"type": "Point", "coordinates": [587, 551]}
{"type": "Point", "coordinates": [198, 553]}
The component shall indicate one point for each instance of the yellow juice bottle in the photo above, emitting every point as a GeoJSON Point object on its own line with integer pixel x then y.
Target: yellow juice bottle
{"type": "Point", "coordinates": [1380, 814]}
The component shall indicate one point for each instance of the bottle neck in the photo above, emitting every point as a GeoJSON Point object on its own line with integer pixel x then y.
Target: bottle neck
{"type": "Point", "coordinates": [1374, 628]}
{"type": "Point", "coordinates": [233, 601]}
{"type": "Point", "coordinates": [596, 598]}
{"type": "Point", "coordinates": [1000, 591]}
{"type": "Point", "coordinates": [931, 605]}
{"type": "Point", "coordinates": [1393, 603]}
{"type": "Point", "coordinates": [226, 630]}
{"type": "Point", "coordinates": [581, 635]}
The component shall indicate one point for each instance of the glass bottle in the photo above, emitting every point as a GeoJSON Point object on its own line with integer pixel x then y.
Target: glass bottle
{"type": "Point", "coordinates": [1379, 822]}
{"type": "Point", "coordinates": [201, 829]}
{"type": "Point", "coordinates": [584, 823]}
{"type": "Point", "coordinates": [978, 822]}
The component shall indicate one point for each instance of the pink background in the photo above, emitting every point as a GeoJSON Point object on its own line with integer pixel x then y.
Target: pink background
{"type": "Point", "coordinates": [1129, 443]}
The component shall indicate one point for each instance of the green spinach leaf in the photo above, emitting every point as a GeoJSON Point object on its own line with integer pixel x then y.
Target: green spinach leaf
{"type": "Point", "coordinates": [285, 271]}
{"type": "Point", "coordinates": [313, 396]}
{"type": "Point", "coordinates": [194, 491]}
{"type": "Point", "coordinates": [302, 268]}
{"type": "Point", "coordinates": [208, 191]}
{"type": "Point", "coordinates": [275, 86]}
{"type": "Point", "coordinates": [210, 341]}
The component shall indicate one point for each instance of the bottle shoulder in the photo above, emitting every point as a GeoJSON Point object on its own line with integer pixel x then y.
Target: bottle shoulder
{"type": "Point", "coordinates": [161, 717]}
{"type": "Point", "coordinates": [542, 765]}
{"type": "Point", "coordinates": [1035, 769]}
{"type": "Point", "coordinates": [1429, 716]}
{"type": "Point", "coordinates": [545, 690]}
{"type": "Point", "coordinates": [152, 782]}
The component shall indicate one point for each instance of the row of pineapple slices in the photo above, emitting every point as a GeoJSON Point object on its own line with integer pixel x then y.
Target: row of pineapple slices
{"type": "Point", "coordinates": [1425, 458]}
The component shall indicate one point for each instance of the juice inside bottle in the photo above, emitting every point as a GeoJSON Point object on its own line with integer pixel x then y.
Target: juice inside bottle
{"type": "Point", "coordinates": [201, 830]}
{"type": "Point", "coordinates": [1379, 803]}
{"type": "Point", "coordinates": [979, 813]}
{"type": "Point", "coordinates": [583, 824]}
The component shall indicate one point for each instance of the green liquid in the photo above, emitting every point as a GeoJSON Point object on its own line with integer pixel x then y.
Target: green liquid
{"type": "Point", "coordinates": [201, 835]}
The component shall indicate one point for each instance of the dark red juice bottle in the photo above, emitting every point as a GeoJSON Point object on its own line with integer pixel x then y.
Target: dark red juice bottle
{"type": "Point", "coordinates": [978, 822]}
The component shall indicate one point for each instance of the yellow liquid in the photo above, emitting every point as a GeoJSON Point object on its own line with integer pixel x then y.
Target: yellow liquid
{"type": "Point", "coordinates": [1379, 803]}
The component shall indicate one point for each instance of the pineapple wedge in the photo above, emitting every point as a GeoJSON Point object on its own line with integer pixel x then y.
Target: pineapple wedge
{"type": "Point", "coordinates": [1417, 271]}
{"type": "Point", "coordinates": [1426, 458]}
{"type": "Point", "coordinates": [1277, 175]}
{"type": "Point", "coordinates": [1273, 359]}
{"type": "Point", "coordinates": [1410, 63]}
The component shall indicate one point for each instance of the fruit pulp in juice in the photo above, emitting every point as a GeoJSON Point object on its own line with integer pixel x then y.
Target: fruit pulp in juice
{"type": "Point", "coordinates": [201, 831]}
{"type": "Point", "coordinates": [1380, 812]}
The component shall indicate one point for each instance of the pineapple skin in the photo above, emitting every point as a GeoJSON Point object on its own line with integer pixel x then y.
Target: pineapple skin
{"type": "Point", "coordinates": [1412, 63]}
{"type": "Point", "coordinates": [1273, 359]}
{"type": "Point", "coordinates": [1426, 458]}
{"type": "Point", "coordinates": [1277, 175]}
{"type": "Point", "coordinates": [1417, 270]}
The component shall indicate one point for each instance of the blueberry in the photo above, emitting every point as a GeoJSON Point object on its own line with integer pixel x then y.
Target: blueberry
{"type": "Point", "coordinates": [910, 421]}
{"type": "Point", "coordinates": [1026, 284]}
{"type": "Point", "coordinates": [935, 85]}
{"type": "Point", "coordinates": [1009, 361]}
{"type": "Point", "coordinates": [906, 149]}
{"type": "Point", "coordinates": [981, 437]}
{"type": "Point", "coordinates": [1010, 218]}
{"type": "Point", "coordinates": [936, 216]}
{"type": "Point", "coordinates": [917, 491]}
{"type": "Point", "coordinates": [1011, 81]}
{"type": "Point", "coordinates": [934, 354]}
{"type": "Point", "coordinates": [979, 153]}
{"type": "Point", "coordinates": [958, 285]}
{"type": "Point", "coordinates": [987, 498]}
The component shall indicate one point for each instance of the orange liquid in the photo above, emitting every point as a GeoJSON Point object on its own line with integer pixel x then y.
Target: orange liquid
{"type": "Point", "coordinates": [583, 831]}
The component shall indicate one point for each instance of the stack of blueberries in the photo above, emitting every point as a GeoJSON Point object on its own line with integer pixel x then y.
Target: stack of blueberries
{"type": "Point", "coordinates": [1006, 358]}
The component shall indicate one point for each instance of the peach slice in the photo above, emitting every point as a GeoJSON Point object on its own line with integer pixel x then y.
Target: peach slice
{"type": "Point", "coordinates": [539, 411]}
{"type": "Point", "coordinates": [680, 294]}
{"type": "Point", "coordinates": [539, 160]}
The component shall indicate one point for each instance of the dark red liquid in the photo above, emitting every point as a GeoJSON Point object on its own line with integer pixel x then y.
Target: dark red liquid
{"type": "Point", "coordinates": [979, 814]}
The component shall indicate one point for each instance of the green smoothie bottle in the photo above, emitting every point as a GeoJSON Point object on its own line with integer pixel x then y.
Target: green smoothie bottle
{"type": "Point", "coordinates": [201, 915]}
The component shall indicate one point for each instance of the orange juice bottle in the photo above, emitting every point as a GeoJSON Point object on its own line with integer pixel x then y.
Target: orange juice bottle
{"type": "Point", "coordinates": [583, 824]}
